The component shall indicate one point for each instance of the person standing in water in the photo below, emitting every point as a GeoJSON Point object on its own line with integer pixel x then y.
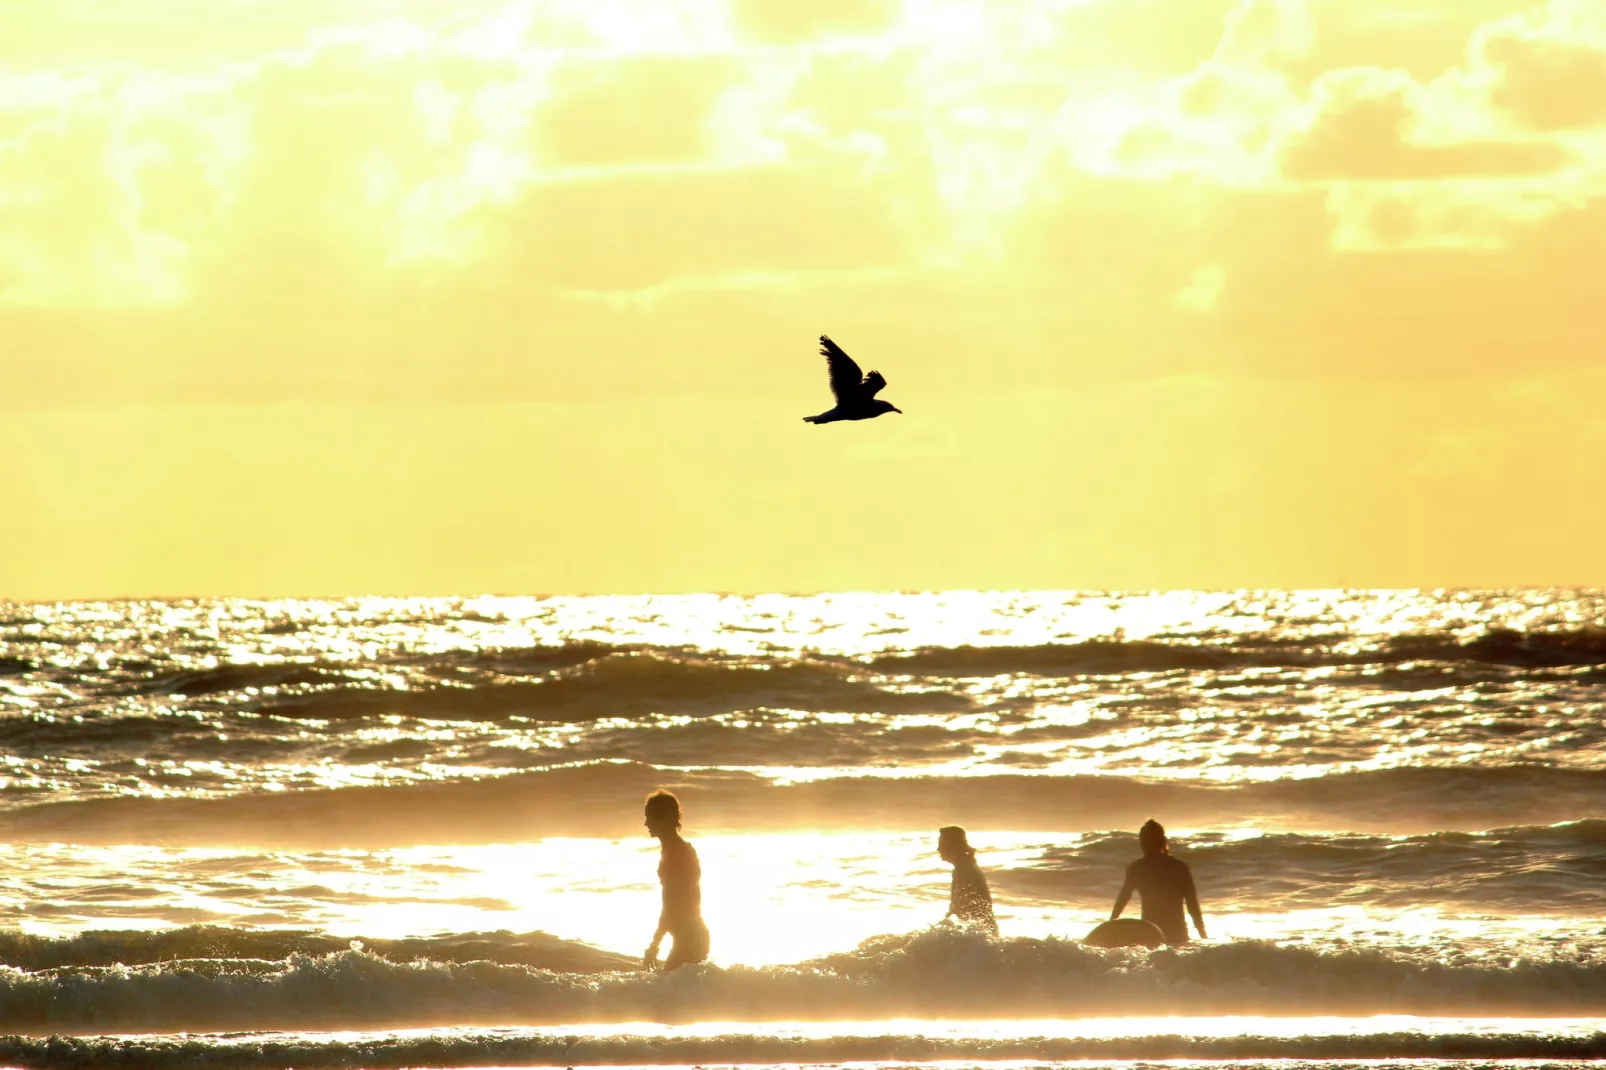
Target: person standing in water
{"type": "Point", "coordinates": [1164, 884]}
{"type": "Point", "coordinates": [968, 900]}
{"type": "Point", "coordinates": [681, 876]}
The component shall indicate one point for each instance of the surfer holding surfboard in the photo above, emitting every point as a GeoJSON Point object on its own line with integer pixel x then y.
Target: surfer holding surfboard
{"type": "Point", "coordinates": [1165, 885]}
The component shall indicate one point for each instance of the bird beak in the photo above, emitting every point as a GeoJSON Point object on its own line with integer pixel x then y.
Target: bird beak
{"type": "Point", "coordinates": [897, 410]}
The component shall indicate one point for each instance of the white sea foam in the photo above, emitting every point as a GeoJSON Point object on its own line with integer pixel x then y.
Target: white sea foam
{"type": "Point", "coordinates": [1430, 1045]}
{"type": "Point", "coordinates": [939, 973]}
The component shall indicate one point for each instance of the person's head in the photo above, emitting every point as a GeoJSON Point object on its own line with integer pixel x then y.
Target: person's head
{"type": "Point", "coordinates": [662, 813]}
{"type": "Point", "coordinates": [1151, 837]}
{"type": "Point", "coordinates": [952, 845]}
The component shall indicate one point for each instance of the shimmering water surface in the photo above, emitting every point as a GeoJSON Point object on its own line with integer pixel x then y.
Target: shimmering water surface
{"type": "Point", "coordinates": [377, 813]}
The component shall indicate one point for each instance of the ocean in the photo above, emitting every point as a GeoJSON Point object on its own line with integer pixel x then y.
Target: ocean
{"type": "Point", "coordinates": [407, 832]}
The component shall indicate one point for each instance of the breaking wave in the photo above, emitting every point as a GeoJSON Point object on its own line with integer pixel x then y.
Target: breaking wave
{"type": "Point", "coordinates": [1443, 1051]}
{"type": "Point", "coordinates": [939, 973]}
{"type": "Point", "coordinates": [1522, 870]}
{"type": "Point", "coordinates": [216, 943]}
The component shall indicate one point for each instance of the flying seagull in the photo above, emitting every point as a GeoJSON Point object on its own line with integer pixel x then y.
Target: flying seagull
{"type": "Point", "coordinates": [855, 392]}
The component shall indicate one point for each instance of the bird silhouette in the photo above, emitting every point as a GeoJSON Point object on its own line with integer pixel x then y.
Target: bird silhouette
{"type": "Point", "coordinates": [855, 392]}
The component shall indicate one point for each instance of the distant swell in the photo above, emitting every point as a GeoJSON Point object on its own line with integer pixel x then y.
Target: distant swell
{"type": "Point", "coordinates": [585, 800]}
{"type": "Point", "coordinates": [940, 973]}
{"type": "Point", "coordinates": [1584, 648]}
{"type": "Point", "coordinates": [1095, 657]}
{"type": "Point", "coordinates": [626, 685]}
{"type": "Point", "coordinates": [586, 680]}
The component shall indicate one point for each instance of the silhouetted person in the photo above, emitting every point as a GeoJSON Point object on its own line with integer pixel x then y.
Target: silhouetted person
{"type": "Point", "coordinates": [1164, 884]}
{"type": "Point", "coordinates": [681, 876]}
{"type": "Point", "coordinates": [855, 392]}
{"type": "Point", "coordinates": [968, 900]}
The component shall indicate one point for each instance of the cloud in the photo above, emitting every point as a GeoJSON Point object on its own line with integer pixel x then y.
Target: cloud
{"type": "Point", "coordinates": [1149, 39]}
{"type": "Point", "coordinates": [103, 192]}
{"type": "Point", "coordinates": [1550, 77]}
{"type": "Point", "coordinates": [781, 23]}
{"type": "Point", "coordinates": [1381, 217]}
{"type": "Point", "coordinates": [429, 208]}
{"type": "Point", "coordinates": [1363, 129]}
{"type": "Point", "coordinates": [1265, 33]}
{"type": "Point", "coordinates": [1202, 291]}
{"type": "Point", "coordinates": [635, 231]}
{"type": "Point", "coordinates": [1238, 244]}
{"type": "Point", "coordinates": [635, 110]}
{"type": "Point", "coordinates": [611, 27]}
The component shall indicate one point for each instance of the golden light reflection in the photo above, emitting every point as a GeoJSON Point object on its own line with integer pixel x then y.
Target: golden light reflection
{"type": "Point", "coordinates": [769, 899]}
{"type": "Point", "coordinates": [1228, 1025]}
{"type": "Point", "coordinates": [1063, 716]}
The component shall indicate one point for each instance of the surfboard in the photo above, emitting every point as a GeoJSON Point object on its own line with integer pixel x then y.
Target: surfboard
{"type": "Point", "coordinates": [1125, 932]}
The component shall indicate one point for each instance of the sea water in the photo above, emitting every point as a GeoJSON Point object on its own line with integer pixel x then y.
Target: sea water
{"type": "Point", "coordinates": [408, 831]}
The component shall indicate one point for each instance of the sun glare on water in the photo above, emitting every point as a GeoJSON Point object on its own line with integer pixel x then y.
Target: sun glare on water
{"type": "Point", "coordinates": [769, 899]}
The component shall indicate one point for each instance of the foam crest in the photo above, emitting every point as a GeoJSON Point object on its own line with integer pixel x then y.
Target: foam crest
{"type": "Point", "coordinates": [1517, 870]}
{"type": "Point", "coordinates": [1445, 1051]}
{"type": "Point", "coordinates": [939, 973]}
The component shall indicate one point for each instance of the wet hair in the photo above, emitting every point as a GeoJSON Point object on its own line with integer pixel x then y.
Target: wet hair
{"type": "Point", "coordinates": [1151, 837]}
{"type": "Point", "coordinates": [663, 806]}
{"type": "Point", "coordinates": [953, 835]}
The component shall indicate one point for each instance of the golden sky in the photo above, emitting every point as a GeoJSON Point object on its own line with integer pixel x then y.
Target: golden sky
{"type": "Point", "coordinates": [319, 297]}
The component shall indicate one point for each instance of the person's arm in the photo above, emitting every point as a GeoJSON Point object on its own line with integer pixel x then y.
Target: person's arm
{"type": "Point", "coordinates": [650, 958]}
{"type": "Point", "coordinates": [1191, 896]}
{"type": "Point", "coordinates": [1120, 900]}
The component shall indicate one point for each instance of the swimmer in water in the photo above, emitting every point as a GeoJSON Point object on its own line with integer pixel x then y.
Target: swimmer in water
{"type": "Point", "coordinates": [681, 875]}
{"type": "Point", "coordinates": [1164, 884]}
{"type": "Point", "coordinates": [968, 900]}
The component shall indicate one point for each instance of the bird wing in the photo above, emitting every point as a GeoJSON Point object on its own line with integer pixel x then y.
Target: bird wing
{"type": "Point", "coordinates": [873, 383]}
{"type": "Point", "coordinates": [846, 378]}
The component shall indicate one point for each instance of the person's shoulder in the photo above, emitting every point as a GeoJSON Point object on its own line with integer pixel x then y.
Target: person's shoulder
{"type": "Point", "coordinates": [1176, 864]}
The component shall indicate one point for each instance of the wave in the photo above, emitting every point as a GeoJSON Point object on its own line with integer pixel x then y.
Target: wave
{"type": "Point", "coordinates": [1098, 657]}
{"type": "Point", "coordinates": [628, 685]}
{"type": "Point", "coordinates": [227, 678]}
{"type": "Point", "coordinates": [590, 681]}
{"type": "Point", "coordinates": [518, 660]}
{"type": "Point", "coordinates": [567, 679]}
{"type": "Point", "coordinates": [599, 799]}
{"type": "Point", "coordinates": [1580, 648]}
{"type": "Point", "coordinates": [137, 947]}
{"type": "Point", "coordinates": [303, 676]}
{"type": "Point", "coordinates": [1537, 870]}
{"type": "Point", "coordinates": [1443, 1051]}
{"type": "Point", "coordinates": [944, 973]}
{"type": "Point", "coordinates": [1507, 646]}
